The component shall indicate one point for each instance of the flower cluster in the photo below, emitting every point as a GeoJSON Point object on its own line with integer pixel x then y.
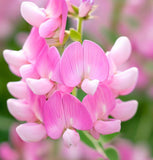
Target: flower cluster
{"type": "Point", "coordinates": [43, 95]}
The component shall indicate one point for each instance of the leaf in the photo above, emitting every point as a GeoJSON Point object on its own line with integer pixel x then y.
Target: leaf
{"type": "Point", "coordinates": [85, 139]}
{"type": "Point", "coordinates": [112, 153]}
{"type": "Point", "coordinates": [75, 36]}
{"type": "Point", "coordinates": [109, 137]}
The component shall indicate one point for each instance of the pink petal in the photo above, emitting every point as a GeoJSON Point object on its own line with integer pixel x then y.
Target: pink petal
{"type": "Point", "coordinates": [47, 62]}
{"type": "Point", "coordinates": [71, 138]}
{"type": "Point", "coordinates": [32, 13]}
{"type": "Point", "coordinates": [53, 116]}
{"type": "Point", "coordinates": [31, 132]}
{"type": "Point", "coordinates": [48, 28]}
{"type": "Point", "coordinates": [72, 64]}
{"type": "Point", "coordinates": [39, 86]}
{"type": "Point", "coordinates": [89, 86]}
{"type": "Point", "coordinates": [54, 8]}
{"type": "Point", "coordinates": [33, 45]}
{"type": "Point", "coordinates": [64, 19]}
{"type": "Point", "coordinates": [124, 110]}
{"type": "Point", "coordinates": [75, 113]}
{"type": "Point", "coordinates": [100, 104]}
{"type": "Point", "coordinates": [18, 89]}
{"type": "Point", "coordinates": [107, 127]}
{"type": "Point", "coordinates": [124, 82]}
{"type": "Point", "coordinates": [20, 110]}
{"type": "Point", "coordinates": [121, 51]}
{"type": "Point", "coordinates": [15, 70]}
{"type": "Point", "coordinates": [28, 71]}
{"type": "Point", "coordinates": [95, 61]}
{"type": "Point", "coordinates": [15, 58]}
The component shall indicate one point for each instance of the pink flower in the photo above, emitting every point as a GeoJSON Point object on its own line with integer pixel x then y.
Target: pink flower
{"type": "Point", "coordinates": [22, 150]}
{"type": "Point", "coordinates": [84, 66]}
{"type": "Point", "coordinates": [48, 20]}
{"type": "Point", "coordinates": [65, 112]}
{"type": "Point", "coordinates": [84, 6]}
{"type": "Point", "coordinates": [127, 151]}
{"type": "Point", "coordinates": [100, 106]}
{"type": "Point", "coordinates": [120, 81]}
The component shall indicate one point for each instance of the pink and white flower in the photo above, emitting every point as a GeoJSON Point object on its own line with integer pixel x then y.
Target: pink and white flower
{"type": "Point", "coordinates": [49, 19]}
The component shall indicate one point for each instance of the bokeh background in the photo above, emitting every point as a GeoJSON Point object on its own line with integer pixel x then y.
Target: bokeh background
{"type": "Point", "coordinates": [111, 19]}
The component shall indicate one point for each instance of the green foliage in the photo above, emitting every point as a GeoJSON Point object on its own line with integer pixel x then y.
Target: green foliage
{"type": "Point", "coordinates": [75, 36]}
{"type": "Point", "coordinates": [112, 153]}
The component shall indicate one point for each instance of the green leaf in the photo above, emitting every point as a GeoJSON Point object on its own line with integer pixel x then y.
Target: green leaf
{"type": "Point", "coordinates": [85, 139]}
{"type": "Point", "coordinates": [76, 10]}
{"type": "Point", "coordinates": [75, 36]}
{"type": "Point", "coordinates": [109, 137]}
{"type": "Point", "coordinates": [112, 153]}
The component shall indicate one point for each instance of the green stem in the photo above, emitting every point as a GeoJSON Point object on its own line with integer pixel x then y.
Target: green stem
{"type": "Point", "coordinates": [79, 28]}
{"type": "Point", "coordinates": [96, 144]}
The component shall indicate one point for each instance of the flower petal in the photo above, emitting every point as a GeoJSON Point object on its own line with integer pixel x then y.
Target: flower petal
{"type": "Point", "coordinates": [31, 132]}
{"type": "Point", "coordinates": [53, 116]}
{"type": "Point", "coordinates": [71, 138]}
{"type": "Point", "coordinates": [90, 86]}
{"type": "Point", "coordinates": [15, 58]}
{"type": "Point", "coordinates": [29, 71]}
{"type": "Point", "coordinates": [20, 110]}
{"type": "Point", "coordinates": [121, 51]}
{"type": "Point", "coordinates": [47, 62]}
{"type": "Point", "coordinates": [39, 86]}
{"type": "Point", "coordinates": [48, 28]}
{"type": "Point", "coordinates": [72, 64]}
{"type": "Point", "coordinates": [75, 113]}
{"type": "Point", "coordinates": [124, 110]}
{"type": "Point", "coordinates": [95, 61]}
{"type": "Point", "coordinates": [54, 8]}
{"type": "Point", "coordinates": [107, 127]}
{"type": "Point", "coordinates": [100, 104]}
{"type": "Point", "coordinates": [33, 45]}
{"type": "Point", "coordinates": [64, 19]}
{"type": "Point", "coordinates": [124, 82]}
{"type": "Point", "coordinates": [18, 89]}
{"type": "Point", "coordinates": [32, 13]}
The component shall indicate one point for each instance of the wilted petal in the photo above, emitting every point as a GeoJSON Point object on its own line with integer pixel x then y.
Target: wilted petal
{"type": "Point", "coordinates": [90, 86]}
{"type": "Point", "coordinates": [95, 61]}
{"type": "Point", "coordinates": [39, 86]}
{"type": "Point", "coordinates": [124, 110]}
{"type": "Point", "coordinates": [20, 110]}
{"type": "Point", "coordinates": [121, 51]}
{"type": "Point", "coordinates": [71, 137]}
{"type": "Point", "coordinates": [107, 127]}
{"type": "Point", "coordinates": [32, 13]}
{"type": "Point", "coordinates": [124, 82]}
{"type": "Point", "coordinates": [72, 64]}
{"type": "Point", "coordinates": [18, 89]}
{"type": "Point", "coordinates": [31, 132]}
